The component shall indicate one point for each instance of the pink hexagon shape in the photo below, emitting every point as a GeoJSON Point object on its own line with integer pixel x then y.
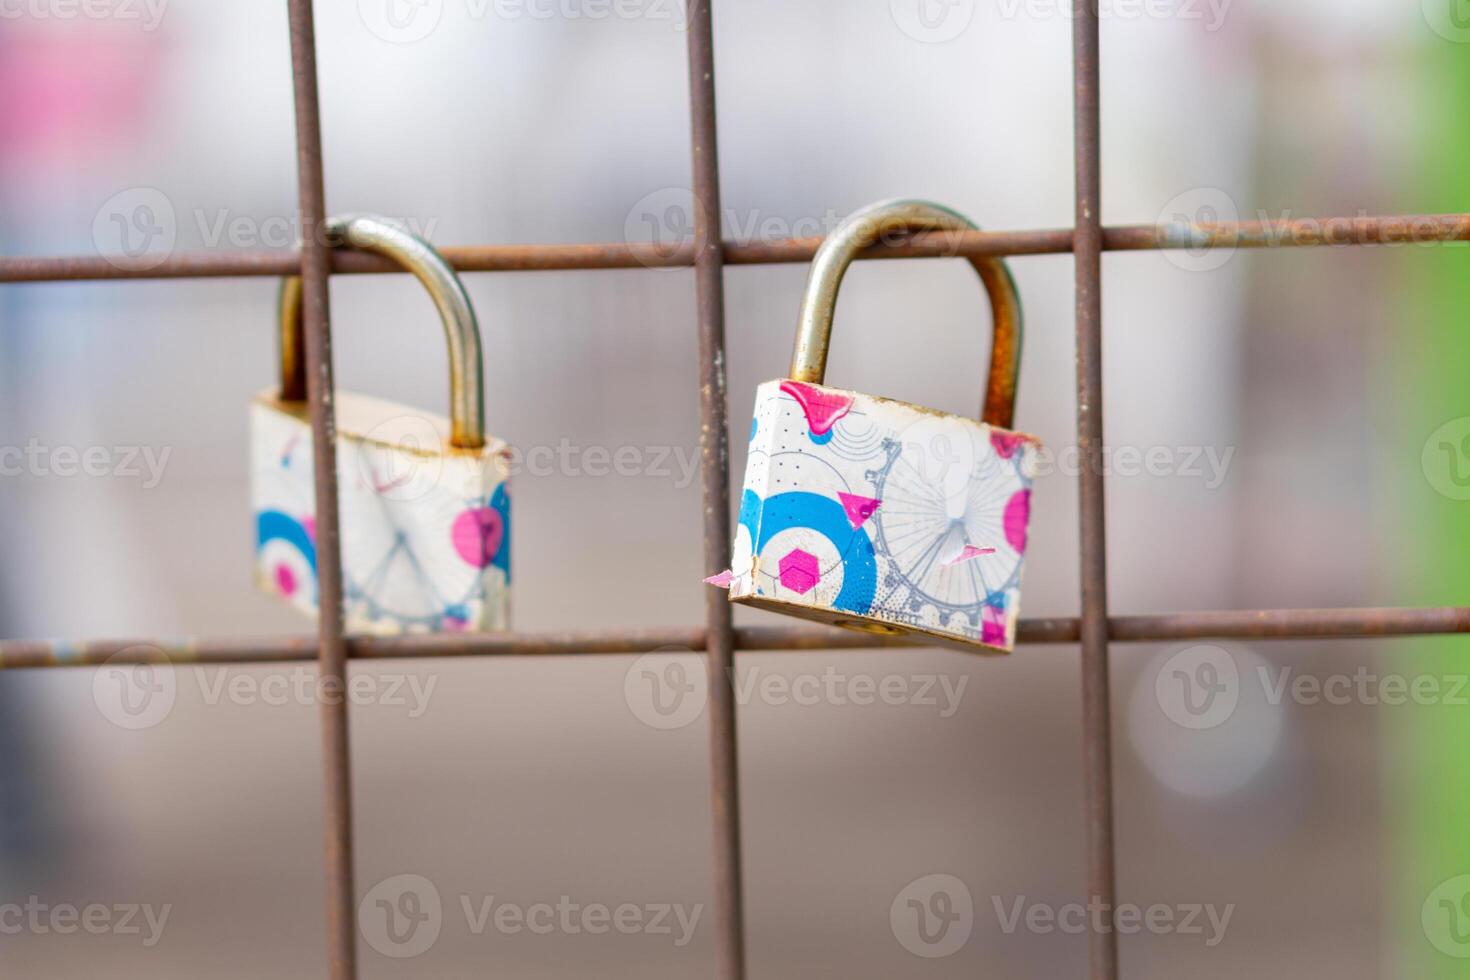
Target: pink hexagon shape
{"type": "Point", "coordinates": [799, 571]}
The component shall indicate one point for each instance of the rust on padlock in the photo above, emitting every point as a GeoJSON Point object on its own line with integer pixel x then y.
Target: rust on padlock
{"type": "Point", "coordinates": [868, 227]}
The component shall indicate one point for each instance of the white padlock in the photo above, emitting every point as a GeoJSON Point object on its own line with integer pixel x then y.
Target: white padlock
{"type": "Point", "coordinates": [425, 509]}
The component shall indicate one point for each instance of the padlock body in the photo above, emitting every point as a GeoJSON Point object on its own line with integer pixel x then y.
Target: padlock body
{"type": "Point", "coordinates": [425, 526]}
{"type": "Point", "coordinates": [882, 516]}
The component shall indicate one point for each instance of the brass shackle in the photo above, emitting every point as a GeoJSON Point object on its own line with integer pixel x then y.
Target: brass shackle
{"type": "Point", "coordinates": [862, 229]}
{"type": "Point", "coordinates": [461, 329]}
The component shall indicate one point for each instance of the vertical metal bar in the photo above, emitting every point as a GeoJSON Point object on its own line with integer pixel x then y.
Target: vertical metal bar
{"type": "Point", "coordinates": [1096, 705]}
{"type": "Point", "coordinates": [315, 265]}
{"type": "Point", "coordinates": [709, 278]}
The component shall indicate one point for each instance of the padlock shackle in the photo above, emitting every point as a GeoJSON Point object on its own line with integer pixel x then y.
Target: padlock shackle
{"type": "Point", "coordinates": [862, 229]}
{"type": "Point", "coordinates": [461, 329]}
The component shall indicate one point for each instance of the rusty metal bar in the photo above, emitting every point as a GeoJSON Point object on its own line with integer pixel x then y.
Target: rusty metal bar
{"type": "Point", "coordinates": [1273, 624]}
{"type": "Point", "coordinates": [1092, 528]}
{"type": "Point", "coordinates": [714, 444]}
{"type": "Point", "coordinates": [316, 314]}
{"type": "Point", "coordinates": [1388, 230]}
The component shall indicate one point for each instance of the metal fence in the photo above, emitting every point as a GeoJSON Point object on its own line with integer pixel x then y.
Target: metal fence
{"type": "Point", "coordinates": [1093, 630]}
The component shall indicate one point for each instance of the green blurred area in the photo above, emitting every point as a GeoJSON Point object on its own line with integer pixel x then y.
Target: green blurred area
{"type": "Point", "coordinates": [1427, 750]}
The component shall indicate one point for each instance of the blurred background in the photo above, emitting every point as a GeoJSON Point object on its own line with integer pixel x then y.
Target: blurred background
{"type": "Point", "coordinates": [1287, 428]}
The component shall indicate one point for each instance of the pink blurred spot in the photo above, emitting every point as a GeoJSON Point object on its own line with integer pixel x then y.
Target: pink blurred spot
{"type": "Point", "coordinates": [1018, 512]}
{"type": "Point", "coordinates": [799, 571]}
{"type": "Point", "coordinates": [75, 94]}
{"type": "Point", "coordinates": [456, 625]}
{"type": "Point", "coordinates": [859, 509]}
{"type": "Point", "coordinates": [822, 408]}
{"type": "Point", "coordinates": [993, 627]}
{"type": "Point", "coordinates": [722, 580]}
{"type": "Point", "coordinates": [285, 579]}
{"type": "Point", "coordinates": [969, 553]}
{"type": "Point", "coordinates": [1006, 443]}
{"type": "Point", "coordinates": [308, 523]}
{"type": "Point", "coordinates": [477, 534]}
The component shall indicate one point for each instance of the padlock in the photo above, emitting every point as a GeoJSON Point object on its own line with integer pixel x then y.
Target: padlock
{"type": "Point", "coordinates": [424, 504]}
{"type": "Point", "coordinates": [878, 515]}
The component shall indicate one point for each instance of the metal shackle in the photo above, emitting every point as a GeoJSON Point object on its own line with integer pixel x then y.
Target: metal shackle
{"type": "Point", "coordinates": [461, 329]}
{"type": "Point", "coordinates": [862, 229]}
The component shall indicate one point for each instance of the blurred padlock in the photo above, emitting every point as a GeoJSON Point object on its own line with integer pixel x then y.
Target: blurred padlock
{"type": "Point", "coordinates": [425, 513]}
{"type": "Point", "coordinates": [879, 515]}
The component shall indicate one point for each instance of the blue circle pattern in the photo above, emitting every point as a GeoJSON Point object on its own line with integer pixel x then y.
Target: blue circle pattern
{"type": "Point", "coordinates": [500, 503]}
{"type": "Point", "coordinates": [273, 525]}
{"type": "Point", "coordinates": [785, 511]}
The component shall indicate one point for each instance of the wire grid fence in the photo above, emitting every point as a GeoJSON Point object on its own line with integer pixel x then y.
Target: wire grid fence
{"type": "Point", "coordinates": [1092, 630]}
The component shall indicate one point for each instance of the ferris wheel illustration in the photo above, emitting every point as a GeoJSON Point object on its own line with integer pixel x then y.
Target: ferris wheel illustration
{"type": "Point", "coordinates": [953, 530]}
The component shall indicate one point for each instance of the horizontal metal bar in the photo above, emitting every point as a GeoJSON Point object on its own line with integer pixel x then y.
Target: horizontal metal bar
{"type": "Point", "coordinates": [1250, 624]}
{"type": "Point", "coordinates": [1296, 233]}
